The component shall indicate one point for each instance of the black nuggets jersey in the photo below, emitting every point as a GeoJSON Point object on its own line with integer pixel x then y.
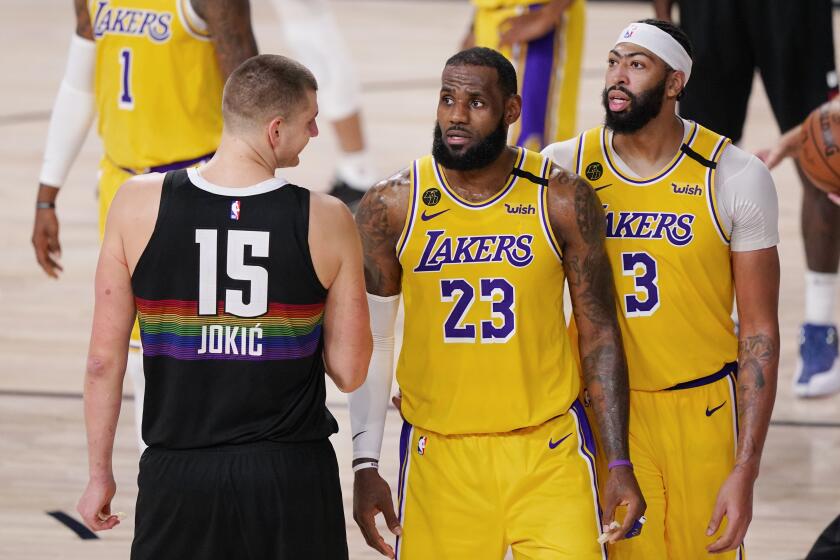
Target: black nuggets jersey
{"type": "Point", "coordinates": [231, 315]}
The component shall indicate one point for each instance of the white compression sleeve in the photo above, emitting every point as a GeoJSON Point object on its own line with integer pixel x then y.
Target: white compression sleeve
{"type": "Point", "coordinates": [72, 113]}
{"type": "Point", "coordinates": [369, 403]}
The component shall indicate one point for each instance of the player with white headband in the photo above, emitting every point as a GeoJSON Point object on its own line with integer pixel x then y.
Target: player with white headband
{"type": "Point", "coordinates": [691, 221]}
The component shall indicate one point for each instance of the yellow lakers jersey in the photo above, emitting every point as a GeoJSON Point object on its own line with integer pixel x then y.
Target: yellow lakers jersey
{"type": "Point", "coordinates": [158, 84]}
{"type": "Point", "coordinates": [485, 347]}
{"type": "Point", "coordinates": [670, 258]}
{"type": "Point", "coordinates": [492, 4]}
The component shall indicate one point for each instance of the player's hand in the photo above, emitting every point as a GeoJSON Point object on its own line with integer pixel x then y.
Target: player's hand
{"type": "Point", "coordinates": [372, 496]}
{"type": "Point", "coordinates": [45, 241]}
{"type": "Point", "coordinates": [396, 400]}
{"type": "Point", "coordinates": [622, 489]}
{"type": "Point", "coordinates": [734, 501]}
{"type": "Point", "coordinates": [533, 24]}
{"type": "Point", "coordinates": [789, 145]}
{"type": "Point", "coordinates": [95, 504]}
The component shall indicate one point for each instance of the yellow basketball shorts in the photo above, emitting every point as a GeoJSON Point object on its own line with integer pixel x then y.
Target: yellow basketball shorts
{"type": "Point", "coordinates": [548, 69]}
{"type": "Point", "coordinates": [682, 444]}
{"type": "Point", "coordinates": [533, 490]}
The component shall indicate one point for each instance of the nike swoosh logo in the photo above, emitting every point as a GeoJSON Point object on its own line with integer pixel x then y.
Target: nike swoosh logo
{"type": "Point", "coordinates": [357, 435]}
{"type": "Point", "coordinates": [715, 409]}
{"type": "Point", "coordinates": [426, 217]}
{"type": "Point", "coordinates": [553, 444]}
{"type": "Point", "coordinates": [602, 187]}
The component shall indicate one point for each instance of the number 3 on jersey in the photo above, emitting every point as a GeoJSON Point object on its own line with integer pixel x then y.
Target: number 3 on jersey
{"type": "Point", "coordinates": [645, 300]}
{"type": "Point", "coordinates": [501, 295]}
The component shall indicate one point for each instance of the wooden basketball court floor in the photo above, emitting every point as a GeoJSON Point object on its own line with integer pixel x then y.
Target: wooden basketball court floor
{"type": "Point", "coordinates": [399, 48]}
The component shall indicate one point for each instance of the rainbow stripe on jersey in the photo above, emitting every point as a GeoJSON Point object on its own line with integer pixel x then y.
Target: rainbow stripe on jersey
{"type": "Point", "coordinates": [173, 328]}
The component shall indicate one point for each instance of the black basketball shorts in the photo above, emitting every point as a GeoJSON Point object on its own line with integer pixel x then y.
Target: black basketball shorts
{"type": "Point", "coordinates": [789, 42]}
{"type": "Point", "coordinates": [262, 501]}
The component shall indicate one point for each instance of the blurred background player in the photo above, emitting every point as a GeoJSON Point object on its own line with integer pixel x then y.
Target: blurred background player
{"type": "Point", "coordinates": [248, 290]}
{"type": "Point", "coordinates": [152, 72]}
{"type": "Point", "coordinates": [544, 41]}
{"type": "Point", "coordinates": [317, 41]}
{"type": "Point", "coordinates": [691, 220]}
{"type": "Point", "coordinates": [791, 45]}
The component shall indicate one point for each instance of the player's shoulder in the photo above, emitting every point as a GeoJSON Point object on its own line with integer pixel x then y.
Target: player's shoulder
{"type": "Point", "coordinates": [328, 211]}
{"type": "Point", "coordinates": [562, 153]}
{"type": "Point", "coordinates": [741, 170]}
{"type": "Point", "coordinates": [138, 191]}
{"type": "Point", "coordinates": [393, 189]}
{"type": "Point", "coordinates": [385, 206]}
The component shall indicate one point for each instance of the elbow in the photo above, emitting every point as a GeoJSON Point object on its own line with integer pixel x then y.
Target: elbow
{"type": "Point", "coordinates": [350, 377]}
{"type": "Point", "coordinates": [99, 367]}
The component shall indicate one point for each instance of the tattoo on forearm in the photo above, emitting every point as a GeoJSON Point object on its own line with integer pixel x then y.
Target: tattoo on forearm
{"type": "Point", "coordinates": [590, 279]}
{"type": "Point", "coordinates": [757, 360]}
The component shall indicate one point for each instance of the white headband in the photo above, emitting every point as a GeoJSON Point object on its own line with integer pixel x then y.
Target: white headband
{"type": "Point", "coordinates": [659, 43]}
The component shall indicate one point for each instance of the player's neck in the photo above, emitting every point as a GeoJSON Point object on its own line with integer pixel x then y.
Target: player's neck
{"type": "Point", "coordinates": [237, 164]}
{"type": "Point", "coordinates": [476, 185]}
{"type": "Point", "coordinates": [652, 147]}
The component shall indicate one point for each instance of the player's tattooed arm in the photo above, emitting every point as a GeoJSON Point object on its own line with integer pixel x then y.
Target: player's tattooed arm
{"type": "Point", "coordinates": [229, 24]}
{"type": "Point", "coordinates": [757, 290]}
{"type": "Point", "coordinates": [380, 219]}
{"type": "Point", "coordinates": [756, 275]}
{"type": "Point", "coordinates": [577, 219]}
{"type": "Point", "coordinates": [83, 27]}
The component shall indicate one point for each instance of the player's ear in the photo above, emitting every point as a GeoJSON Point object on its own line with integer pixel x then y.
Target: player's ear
{"type": "Point", "coordinates": [275, 130]}
{"type": "Point", "coordinates": [675, 83]}
{"type": "Point", "coordinates": [513, 108]}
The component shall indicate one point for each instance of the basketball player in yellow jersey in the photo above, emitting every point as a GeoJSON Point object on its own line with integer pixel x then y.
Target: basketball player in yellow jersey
{"type": "Point", "coordinates": [544, 41]}
{"type": "Point", "coordinates": [478, 237]}
{"type": "Point", "coordinates": [152, 71]}
{"type": "Point", "coordinates": [691, 219]}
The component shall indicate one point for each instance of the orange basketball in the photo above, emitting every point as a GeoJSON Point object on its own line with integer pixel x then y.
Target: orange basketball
{"type": "Point", "coordinates": [820, 155]}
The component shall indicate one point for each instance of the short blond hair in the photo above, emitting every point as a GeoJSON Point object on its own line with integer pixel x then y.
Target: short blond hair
{"type": "Point", "coordinates": [264, 87]}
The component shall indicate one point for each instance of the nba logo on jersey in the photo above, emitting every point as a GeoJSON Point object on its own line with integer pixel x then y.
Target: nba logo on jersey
{"type": "Point", "coordinates": [421, 445]}
{"type": "Point", "coordinates": [234, 210]}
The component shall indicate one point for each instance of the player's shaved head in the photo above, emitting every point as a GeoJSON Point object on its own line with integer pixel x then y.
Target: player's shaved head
{"type": "Point", "coordinates": [264, 87]}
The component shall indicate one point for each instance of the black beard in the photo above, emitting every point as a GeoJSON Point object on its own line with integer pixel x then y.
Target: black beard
{"type": "Point", "coordinates": [481, 155]}
{"type": "Point", "coordinates": [643, 109]}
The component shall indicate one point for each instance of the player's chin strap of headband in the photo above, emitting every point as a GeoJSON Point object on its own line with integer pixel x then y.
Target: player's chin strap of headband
{"type": "Point", "coordinates": [659, 43]}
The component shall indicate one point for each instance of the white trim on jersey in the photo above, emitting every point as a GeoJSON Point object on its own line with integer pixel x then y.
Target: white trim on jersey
{"type": "Point", "coordinates": [260, 188]}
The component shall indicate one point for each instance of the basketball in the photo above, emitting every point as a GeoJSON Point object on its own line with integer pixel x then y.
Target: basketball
{"type": "Point", "coordinates": [820, 155]}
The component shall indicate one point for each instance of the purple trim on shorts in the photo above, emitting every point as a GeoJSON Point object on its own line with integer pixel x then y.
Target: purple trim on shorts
{"type": "Point", "coordinates": [729, 368]}
{"type": "Point", "coordinates": [588, 436]}
{"type": "Point", "coordinates": [536, 85]}
{"type": "Point", "coordinates": [405, 441]}
{"type": "Point", "coordinates": [174, 166]}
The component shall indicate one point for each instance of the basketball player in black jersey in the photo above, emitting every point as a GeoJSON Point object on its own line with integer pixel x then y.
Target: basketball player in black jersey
{"type": "Point", "coordinates": [247, 289]}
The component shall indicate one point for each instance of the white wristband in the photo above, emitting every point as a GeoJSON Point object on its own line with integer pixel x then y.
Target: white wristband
{"type": "Point", "coordinates": [366, 465]}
